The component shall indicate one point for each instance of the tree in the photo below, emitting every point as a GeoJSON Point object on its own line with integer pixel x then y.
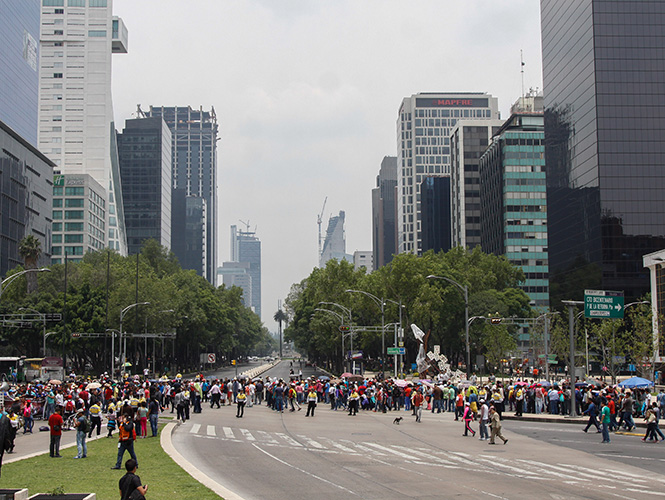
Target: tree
{"type": "Point", "coordinates": [280, 316]}
{"type": "Point", "coordinates": [30, 248]}
{"type": "Point", "coordinates": [498, 342]}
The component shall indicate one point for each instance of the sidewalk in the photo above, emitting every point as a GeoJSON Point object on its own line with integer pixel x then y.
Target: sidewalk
{"type": "Point", "coordinates": [558, 419]}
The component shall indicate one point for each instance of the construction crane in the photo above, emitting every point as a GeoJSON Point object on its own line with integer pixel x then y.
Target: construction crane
{"type": "Point", "coordinates": [320, 220]}
{"type": "Point", "coordinates": [245, 223]}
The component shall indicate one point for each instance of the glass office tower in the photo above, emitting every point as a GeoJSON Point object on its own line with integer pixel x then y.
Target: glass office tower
{"type": "Point", "coordinates": [604, 75]}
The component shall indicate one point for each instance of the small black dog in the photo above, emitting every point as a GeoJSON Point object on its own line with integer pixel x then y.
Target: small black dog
{"type": "Point", "coordinates": [397, 420]}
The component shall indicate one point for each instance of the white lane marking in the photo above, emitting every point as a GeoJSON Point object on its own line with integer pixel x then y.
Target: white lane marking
{"type": "Point", "coordinates": [549, 468]}
{"type": "Point", "coordinates": [343, 448]}
{"type": "Point", "coordinates": [247, 435]}
{"type": "Point", "coordinates": [228, 432]}
{"type": "Point", "coordinates": [195, 428]}
{"type": "Point", "coordinates": [311, 442]}
{"type": "Point", "coordinates": [423, 454]}
{"type": "Point", "coordinates": [265, 437]}
{"type": "Point", "coordinates": [290, 441]}
{"type": "Point", "coordinates": [360, 449]}
{"type": "Point", "coordinates": [305, 472]}
{"type": "Point", "coordinates": [211, 430]}
{"type": "Point", "coordinates": [389, 450]}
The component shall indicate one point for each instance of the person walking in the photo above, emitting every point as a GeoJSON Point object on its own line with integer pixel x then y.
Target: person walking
{"type": "Point", "coordinates": [81, 426]}
{"type": "Point", "coordinates": [417, 402]}
{"type": "Point", "coordinates": [495, 426]}
{"type": "Point", "coordinates": [312, 398]}
{"type": "Point", "coordinates": [605, 420]}
{"type": "Point", "coordinates": [467, 418]}
{"type": "Point", "coordinates": [354, 399]}
{"type": "Point", "coordinates": [241, 400]}
{"type": "Point", "coordinates": [593, 413]}
{"type": "Point", "coordinates": [627, 411]}
{"type": "Point", "coordinates": [95, 418]}
{"type": "Point", "coordinates": [484, 420]}
{"type": "Point", "coordinates": [55, 424]}
{"type": "Point", "coordinates": [127, 436]}
{"type": "Point", "coordinates": [153, 415]}
{"type": "Point", "coordinates": [28, 420]}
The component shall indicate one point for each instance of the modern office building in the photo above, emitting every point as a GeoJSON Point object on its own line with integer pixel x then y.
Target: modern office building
{"type": "Point", "coordinates": [237, 274]}
{"type": "Point", "coordinates": [19, 72]}
{"type": "Point", "coordinates": [246, 248]}
{"type": "Point", "coordinates": [80, 217]}
{"type": "Point", "coordinates": [26, 183]}
{"type": "Point", "coordinates": [188, 230]}
{"type": "Point", "coordinates": [194, 145]}
{"type": "Point", "coordinates": [76, 129]}
{"type": "Point", "coordinates": [424, 124]}
{"type": "Point", "coordinates": [384, 236]}
{"type": "Point", "coordinates": [513, 201]}
{"type": "Point", "coordinates": [468, 141]}
{"type": "Point", "coordinates": [144, 150]}
{"type": "Point", "coordinates": [334, 244]}
{"type": "Point", "coordinates": [604, 75]}
{"type": "Point", "coordinates": [435, 214]}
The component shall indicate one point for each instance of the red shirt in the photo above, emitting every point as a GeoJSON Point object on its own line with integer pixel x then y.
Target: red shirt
{"type": "Point", "coordinates": [54, 420]}
{"type": "Point", "coordinates": [417, 400]}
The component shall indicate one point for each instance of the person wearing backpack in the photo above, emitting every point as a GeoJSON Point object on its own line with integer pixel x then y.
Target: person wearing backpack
{"type": "Point", "coordinates": [127, 436]}
{"type": "Point", "coordinates": [82, 426]}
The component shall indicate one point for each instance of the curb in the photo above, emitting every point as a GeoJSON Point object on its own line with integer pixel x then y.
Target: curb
{"type": "Point", "coordinates": [187, 466]}
{"type": "Point", "coordinates": [557, 420]}
{"type": "Point", "coordinates": [10, 459]}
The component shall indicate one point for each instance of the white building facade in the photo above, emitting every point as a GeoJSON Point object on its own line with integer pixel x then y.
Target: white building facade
{"type": "Point", "coordinates": [424, 124]}
{"type": "Point", "coordinates": [76, 129]}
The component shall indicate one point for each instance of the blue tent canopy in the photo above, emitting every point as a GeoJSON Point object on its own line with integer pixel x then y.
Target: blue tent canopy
{"type": "Point", "coordinates": [636, 383]}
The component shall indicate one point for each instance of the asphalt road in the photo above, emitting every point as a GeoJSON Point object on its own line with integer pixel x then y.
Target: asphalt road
{"type": "Point", "coordinates": [333, 455]}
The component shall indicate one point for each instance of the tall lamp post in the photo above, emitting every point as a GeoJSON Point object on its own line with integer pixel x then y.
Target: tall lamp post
{"type": "Point", "coordinates": [399, 304]}
{"type": "Point", "coordinates": [7, 281]}
{"type": "Point", "coordinates": [122, 347]}
{"type": "Point", "coordinates": [465, 292]}
{"type": "Point", "coordinates": [381, 304]}
{"type": "Point", "coordinates": [346, 311]}
{"type": "Point", "coordinates": [341, 322]}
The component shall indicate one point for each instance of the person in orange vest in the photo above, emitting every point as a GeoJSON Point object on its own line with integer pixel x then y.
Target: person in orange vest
{"type": "Point", "coordinates": [126, 440]}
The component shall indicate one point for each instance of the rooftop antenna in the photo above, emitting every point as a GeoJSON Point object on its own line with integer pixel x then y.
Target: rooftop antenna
{"type": "Point", "coordinates": [246, 224]}
{"type": "Point", "coordinates": [319, 220]}
{"type": "Point", "coordinates": [522, 71]}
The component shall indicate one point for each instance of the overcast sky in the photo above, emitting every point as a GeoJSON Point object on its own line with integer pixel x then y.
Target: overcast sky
{"type": "Point", "coordinates": [306, 94]}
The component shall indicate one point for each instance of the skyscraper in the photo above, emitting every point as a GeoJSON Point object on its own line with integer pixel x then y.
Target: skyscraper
{"type": "Point", "coordinates": [76, 129]}
{"type": "Point", "coordinates": [334, 244]}
{"type": "Point", "coordinates": [144, 149]}
{"type": "Point", "coordinates": [383, 213]}
{"type": "Point", "coordinates": [194, 145]}
{"type": "Point", "coordinates": [435, 214]}
{"type": "Point", "coordinates": [19, 73]}
{"type": "Point", "coordinates": [246, 248]}
{"type": "Point", "coordinates": [603, 63]}
{"type": "Point", "coordinates": [424, 124]}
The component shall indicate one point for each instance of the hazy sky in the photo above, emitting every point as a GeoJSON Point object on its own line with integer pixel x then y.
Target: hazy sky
{"type": "Point", "coordinates": [306, 94]}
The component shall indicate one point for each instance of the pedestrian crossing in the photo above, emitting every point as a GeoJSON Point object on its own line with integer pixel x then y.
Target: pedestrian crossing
{"type": "Point", "coordinates": [422, 456]}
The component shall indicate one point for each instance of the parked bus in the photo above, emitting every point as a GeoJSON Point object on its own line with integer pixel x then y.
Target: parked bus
{"type": "Point", "coordinates": [52, 368]}
{"type": "Point", "coordinates": [11, 368]}
{"type": "Point", "coordinates": [32, 368]}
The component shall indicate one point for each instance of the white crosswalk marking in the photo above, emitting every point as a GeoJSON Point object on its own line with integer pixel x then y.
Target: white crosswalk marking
{"type": "Point", "coordinates": [341, 447]}
{"type": "Point", "coordinates": [424, 454]}
{"type": "Point", "coordinates": [211, 430]}
{"type": "Point", "coordinates": [195, 428]}
{"type": "Point", "coordinates": [311, 442]}
{"type": "Point", "coordinates": [247, 435]}
{"type": "Point", "coordinates": [289, 440]}
{"type": "Point", "coordinates": [390, 450]}
{"type": "Point", "coordinates": [228, 433]}
{"type": "Point", "coordinates": [265, 437]}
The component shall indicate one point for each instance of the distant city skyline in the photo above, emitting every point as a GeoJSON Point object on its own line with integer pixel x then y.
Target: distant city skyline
{"type": "Point", "coordinates": [300, 117]}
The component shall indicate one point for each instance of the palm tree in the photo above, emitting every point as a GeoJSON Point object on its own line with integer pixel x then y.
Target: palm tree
{"type": "Point", "coordinates": [30, 248]}
{"type": "Point", "coordinates": [280, 316]}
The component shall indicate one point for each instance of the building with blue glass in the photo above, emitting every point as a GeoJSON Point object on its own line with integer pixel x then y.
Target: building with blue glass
{"type": "Point", "coordinates": [19, 71]}
{"type": "Point", "coordinates": [513, 201]}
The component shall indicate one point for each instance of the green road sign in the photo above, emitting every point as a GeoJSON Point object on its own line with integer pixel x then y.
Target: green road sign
{"type": "Point", "coordinates": [396, 350]}
{"type": "Point", "coordinates": [603, 304]}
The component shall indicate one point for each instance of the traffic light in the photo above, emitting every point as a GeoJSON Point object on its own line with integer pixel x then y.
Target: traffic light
{"type": "Point", "coordinates": [75, 335]}
{"type": "Point", "coordinates": [233, 362]}
{"type": "Point", "coordinates": [495, 321]}
{"type": "Point", "coordinates": [344, 328]}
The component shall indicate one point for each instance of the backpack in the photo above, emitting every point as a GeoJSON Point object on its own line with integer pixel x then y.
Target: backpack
{"type": "Point", "coordinates": [84, 426]}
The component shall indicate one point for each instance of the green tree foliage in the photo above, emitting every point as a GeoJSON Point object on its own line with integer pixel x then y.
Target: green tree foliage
{"type": "Point", "coordinates": [30, 248]}
{"type": "Point", "coordinates": [206, 319]}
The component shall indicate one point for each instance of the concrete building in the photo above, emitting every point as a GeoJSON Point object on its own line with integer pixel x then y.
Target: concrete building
{"type": "Point", "coordinates": [424, 124]}
{"type": "Point", "coordinates": [513, 201]}
{"type": "Point", "coordinates": [334, 244]}
{"type": "Point", "coordinates": [246, 248]}
{"type": "Point", "coordinates": [468, 141]}
{"type": "Point", "coordinates": [384, 235]}
{"type": "Point", "coordinates": [76, 129]}
{"type": "Point", "coordinates": [603, 76]}
{"type": "Point", "coordinates": [194, 146]}
{"type": "Point", "coordinates": [237, 274]}
{"type": "Point", "coordinates": [435, 214]}
{"type": "Point", "coordinates": [144, 149]}
{"type": "Point", "coordinates": [80, 217]}
{"type": "Point", "coordinates": [655, 263]}
{"type": "Point", "coordinates": [26, 184]}
{"type": "Point", "coordinates": [19, 58]}
{"type": "Point", "coordinates": [363, 258]}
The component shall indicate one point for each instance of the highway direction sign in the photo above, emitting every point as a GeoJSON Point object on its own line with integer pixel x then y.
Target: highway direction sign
{"type": "Point", "coordinates": [396, 350]}
{"type": "Point", "coordinates": [603, 304]}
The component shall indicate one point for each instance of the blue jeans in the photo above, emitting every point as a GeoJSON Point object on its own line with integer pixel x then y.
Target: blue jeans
{"type": "Point", "coordinates": [279, 403]}
{"type": "Point", "coordinates": [154, 418]}
{"type": "Point", "coordinates": [28, 422]}
{"type": "Point", "coordinates": [554, 407]}
{"type": "Point", "coordinates": [125, 445]}
{"type": "Point", "coordinates": [606, 432]}
{"type": "Point", "coordinates": [80, 444]}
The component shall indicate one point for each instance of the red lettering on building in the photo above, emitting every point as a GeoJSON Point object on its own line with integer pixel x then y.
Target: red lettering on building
{"type": "Point", "coordinates": [453, 102]}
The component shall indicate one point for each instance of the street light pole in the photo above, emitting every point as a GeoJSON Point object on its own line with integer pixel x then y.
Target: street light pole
{"type": "Point", "coordinates": [123, 352]}
{"type": "Point", "coordinates": [380, 303]}
{"type": "Point", "coordinates": [465, 291]}
{"type": "Point", "coordinates": [341, 322]}
{"type": "Point", "coordinates": [7, 281]}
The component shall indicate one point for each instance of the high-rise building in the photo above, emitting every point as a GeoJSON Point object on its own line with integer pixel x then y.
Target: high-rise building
{"type": "Point", "coordinates": [237, 274]}
{"type": "Point", "coordinates": [424, 124]}
{"type": "Point", "coordinates": [513, 201]}
{"type": "Point", "coordinates": [194, 145]}
{"type": "Point", "coordinates": [468, 141]}
{"type": "Point", "coordinates": [246, 248]}
{"type": "Point", "coordinates": [603, 81]}
{"type": "Point", "coordinates": [363, 258]}
{"type": "Point", "coordinates": [26, 184]}
{"type": "Point", "coordinates": [435, 214]}
{"type": "Point", "coordinates": [80, 217]}
{"type": "Point", "coordinates": [188, 230]}
{"type": "Point", "coordinates": [144, 149]}
{"type": "Point", "coordinates": [334, 244]}
{"type": "Point", "coordinates": [19, 59]}
{"type": "Point", "coordinates": [76, 129]}
{"type": "Point", "coordinates": [383, 213]}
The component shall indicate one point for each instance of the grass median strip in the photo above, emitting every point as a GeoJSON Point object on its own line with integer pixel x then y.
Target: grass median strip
{"type": "Point", "coordinates": [165, 479]}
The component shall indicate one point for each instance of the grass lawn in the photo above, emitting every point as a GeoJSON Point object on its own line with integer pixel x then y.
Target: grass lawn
{"type": "Point", "coordinates": [165, 479]}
